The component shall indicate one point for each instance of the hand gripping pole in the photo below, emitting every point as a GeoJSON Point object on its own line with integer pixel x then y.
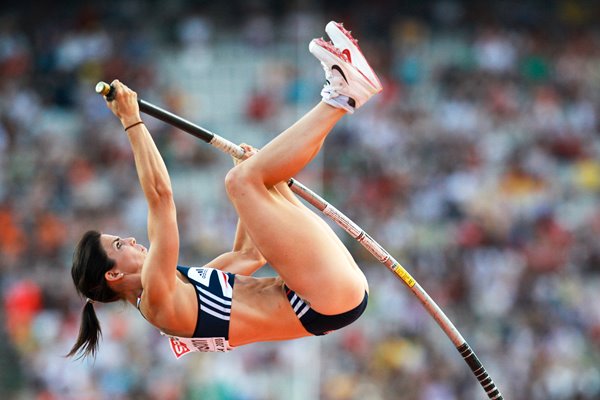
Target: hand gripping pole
{"type": "Point", "coordinates": [346, 224]}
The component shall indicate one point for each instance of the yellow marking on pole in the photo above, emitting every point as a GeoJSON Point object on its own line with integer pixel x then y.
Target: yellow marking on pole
{"type": "Point", "coordinates": [404, 275]}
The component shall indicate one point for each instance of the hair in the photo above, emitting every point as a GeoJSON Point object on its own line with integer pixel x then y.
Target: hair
{"type": "Point", "coordinates": [90, 263]}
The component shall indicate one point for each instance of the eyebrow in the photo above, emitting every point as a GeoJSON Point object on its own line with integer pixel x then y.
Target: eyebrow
{"type": "Point", "coordinates": [116, 240]}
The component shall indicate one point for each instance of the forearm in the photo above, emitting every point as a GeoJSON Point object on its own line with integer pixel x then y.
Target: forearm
{"type": "Point", "coordinates": [242, 240]}
{"type": "Point", "coordinates": [244, 246]}
{"type": "Point", "coordinates": [245, 262]}
{"type": "Point", "coordinates": [151, 169]}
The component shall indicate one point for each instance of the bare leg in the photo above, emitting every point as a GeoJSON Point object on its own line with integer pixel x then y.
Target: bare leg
{"type": "Point", "coordinates": [289, 152]}
{"type": "Point", "coordinates": [303, 250]}
{"type": "Point", "coordinates": [284, 191]}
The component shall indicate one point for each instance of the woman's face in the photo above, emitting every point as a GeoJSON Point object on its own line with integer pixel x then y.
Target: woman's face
{"type": "Point", "coordinates": [128, 255]}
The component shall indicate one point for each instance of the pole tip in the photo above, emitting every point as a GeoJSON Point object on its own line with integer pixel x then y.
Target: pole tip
{"type": "Point", "coordinates": [102, 88]}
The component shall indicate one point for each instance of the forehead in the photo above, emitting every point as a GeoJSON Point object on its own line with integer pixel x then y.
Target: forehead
{"type": "Point", "coordinates": [107, 240]}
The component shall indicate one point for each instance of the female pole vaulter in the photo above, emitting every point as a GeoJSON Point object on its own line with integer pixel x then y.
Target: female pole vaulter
{"type": "Point", "coordinates": [219, 306]}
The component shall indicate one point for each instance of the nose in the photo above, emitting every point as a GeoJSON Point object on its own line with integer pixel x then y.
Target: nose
{"type": "Point", "coordinates": [131, 240]}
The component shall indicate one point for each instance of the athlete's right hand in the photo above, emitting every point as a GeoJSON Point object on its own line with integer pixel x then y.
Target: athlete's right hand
{"type": "Point", "coordinates": [124, 105]}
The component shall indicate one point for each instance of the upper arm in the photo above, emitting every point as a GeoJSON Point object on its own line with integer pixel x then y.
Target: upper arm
{"type": "Point", "coordinates": [159, 277]}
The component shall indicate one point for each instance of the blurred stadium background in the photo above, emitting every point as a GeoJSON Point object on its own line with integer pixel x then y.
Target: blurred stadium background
{"type": "Point", "coordinates": [478, 168]}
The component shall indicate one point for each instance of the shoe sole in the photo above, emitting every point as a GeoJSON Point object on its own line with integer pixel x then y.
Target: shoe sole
{"type": "Point", "coordinates": [357, 81]}
{"type": "Point", "coordinates": [342, 39]}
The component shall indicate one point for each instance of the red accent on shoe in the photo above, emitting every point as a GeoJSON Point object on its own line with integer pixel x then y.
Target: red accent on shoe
{"type": "Point", "coordinates": [346, 53]}
{"type": "Point", "coordinates": [355, 41]}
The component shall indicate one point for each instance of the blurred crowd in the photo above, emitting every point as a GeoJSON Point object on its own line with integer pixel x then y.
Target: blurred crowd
{"type": "Point", "coordinates": [478, 168]}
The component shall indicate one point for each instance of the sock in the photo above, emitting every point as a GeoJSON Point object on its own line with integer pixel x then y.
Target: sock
{"type": "Point", "coordinates": [338, 101]}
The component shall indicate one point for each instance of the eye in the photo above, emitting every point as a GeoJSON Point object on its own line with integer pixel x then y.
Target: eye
{"type": "Point", "coordinates": [118, 245]}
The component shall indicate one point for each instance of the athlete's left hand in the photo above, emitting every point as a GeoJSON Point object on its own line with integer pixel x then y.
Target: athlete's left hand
{"type": "Point", "coordinates": [249, 151]}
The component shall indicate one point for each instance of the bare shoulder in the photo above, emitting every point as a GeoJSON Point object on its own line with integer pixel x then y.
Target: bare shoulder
{"type": "Point", "coordinates": [177, 314]}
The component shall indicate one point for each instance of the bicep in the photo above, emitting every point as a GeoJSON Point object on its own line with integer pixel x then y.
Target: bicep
{"type": "Point", "coordinates": [159, 271]}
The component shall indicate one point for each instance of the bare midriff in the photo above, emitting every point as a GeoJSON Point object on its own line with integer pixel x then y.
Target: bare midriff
{"type": "Point", "coordinates": [261, 312]}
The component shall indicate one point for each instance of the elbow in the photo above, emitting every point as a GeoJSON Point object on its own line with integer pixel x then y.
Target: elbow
{"type": "Point", "coordinates": [254, 256]}
{"type": "Point", "coordinates": [164, 192]}
{"type": "Point", "coordinates": [160, 196]}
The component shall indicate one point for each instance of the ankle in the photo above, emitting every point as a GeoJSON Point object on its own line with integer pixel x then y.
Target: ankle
{"type": "Point", "coordinates": [341, 103]}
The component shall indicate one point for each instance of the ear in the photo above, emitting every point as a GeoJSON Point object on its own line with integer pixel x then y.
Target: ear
{"type": "Point", "coordinates": [113, 275]}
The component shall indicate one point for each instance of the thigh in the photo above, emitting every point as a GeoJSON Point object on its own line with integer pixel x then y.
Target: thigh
{"type": "Point", "coordinates": [291, 197]}
{"type": "Point", "coordinates": [303, 250]}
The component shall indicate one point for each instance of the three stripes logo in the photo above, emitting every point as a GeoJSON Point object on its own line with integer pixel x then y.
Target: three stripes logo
{"type": "Point", "coordinates": [218, 307]}
{"type": "Point", "coordinates": [299, 306]}
{"type": "Point", "coordinates": [214, 302]}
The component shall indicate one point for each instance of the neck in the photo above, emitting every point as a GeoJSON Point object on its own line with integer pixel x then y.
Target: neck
{"type": "Point", "coordinates": [132, 296]}
{"type": "Point", "coordinates": [129, 288]}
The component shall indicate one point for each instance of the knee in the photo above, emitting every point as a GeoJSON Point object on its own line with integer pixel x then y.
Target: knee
{"type": "Point", "coordinates": [236, 179]}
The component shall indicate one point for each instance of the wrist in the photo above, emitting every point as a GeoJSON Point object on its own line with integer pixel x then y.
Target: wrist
{"type": "Point", "coordinates": [132, 125]}
{"type": "Point", "coordinates": [130, 119]}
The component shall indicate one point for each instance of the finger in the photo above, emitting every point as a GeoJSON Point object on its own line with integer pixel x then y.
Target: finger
{"type": "Point", "coordinates": [120, 87]}
{"type": "Point", "coordinates": [248, 148]}
{"type": "Point", "coordinates": [117, 85]}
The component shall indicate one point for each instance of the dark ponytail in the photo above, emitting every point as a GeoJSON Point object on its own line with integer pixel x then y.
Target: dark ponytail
{"type": "Point", "coordinates": [89, 333]}
{"type": "Point", "coordinates": [90, 263]}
